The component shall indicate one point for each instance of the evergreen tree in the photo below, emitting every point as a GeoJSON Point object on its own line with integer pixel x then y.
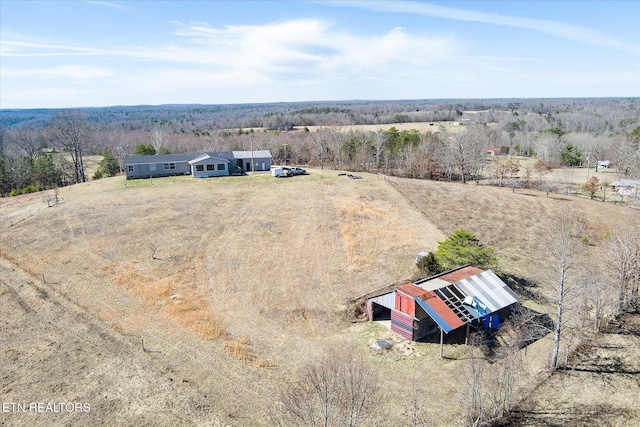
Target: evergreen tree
{"type": "Point", "coordinates": [108, 166]}
{"type": "Point", "coordinates": [461, 248]}
{"type": "Point", "coordinates": [571, 155]}
{"type": "Point", "coordinates": [43, 171]}
{"type": "Point", "coordinates": [145, 150]}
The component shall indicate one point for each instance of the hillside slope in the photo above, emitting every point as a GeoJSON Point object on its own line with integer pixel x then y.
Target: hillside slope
{"type": "Point", "coordinates": [233, 284]}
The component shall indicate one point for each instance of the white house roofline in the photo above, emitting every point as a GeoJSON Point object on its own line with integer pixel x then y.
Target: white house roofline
{"type": "Point", "coordinates": [206, 157]}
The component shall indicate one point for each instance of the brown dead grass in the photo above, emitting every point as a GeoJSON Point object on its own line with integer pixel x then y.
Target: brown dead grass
{"type": "Point", "coordinates": [172, 296]}
{"type": "Point", "coordinates": [254, 272]}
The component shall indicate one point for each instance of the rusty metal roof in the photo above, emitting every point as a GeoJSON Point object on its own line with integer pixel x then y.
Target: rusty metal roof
{"type": "Point", "coordinates": [414, 291]}
{"type": "Point", "coordinates": [463, 273]}
{"type": "Point", "coordinates": [440, 313]}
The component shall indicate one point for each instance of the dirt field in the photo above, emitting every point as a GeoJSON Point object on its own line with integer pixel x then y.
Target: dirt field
{"type": "Point", "coordinates": [421, 127]}
{"type": "Point", "coordinates": [195, 300]}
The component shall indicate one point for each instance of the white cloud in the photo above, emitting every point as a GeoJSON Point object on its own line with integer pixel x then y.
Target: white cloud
{"type": "Point", "coordinates": [108, 4]}
{"type": "Point", "coordinates": [302, 48]}
{"type": "Point", "coordinates": [282, 50]}
{"type": "Point", "coordinates": [554, 28]}
{"type": "Point", "coordinates": [20, 48]}
{"type": "Point", "coordinates": [71, 72]}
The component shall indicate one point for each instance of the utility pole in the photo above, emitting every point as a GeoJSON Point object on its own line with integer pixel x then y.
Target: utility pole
{"type": "Point", "coordinates": [252, 164]}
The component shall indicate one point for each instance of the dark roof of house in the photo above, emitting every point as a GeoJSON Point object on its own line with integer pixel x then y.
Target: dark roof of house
{"type": "Point", "coordinates": [182, 157]}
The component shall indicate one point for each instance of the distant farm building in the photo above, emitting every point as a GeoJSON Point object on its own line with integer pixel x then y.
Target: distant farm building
{"type": "Point", "coordinates": [443, 303]}
{"type": "Point", "coordinates": [604, 164]}
{"type": "Point", "coordinates": [198, 165]}
{"type": "Point", "coordinates": [626, 187]}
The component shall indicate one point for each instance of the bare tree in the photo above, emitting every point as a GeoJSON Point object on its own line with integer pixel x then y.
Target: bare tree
{"type": "Point", "coordinates": [415, 409]}
{"type": "Point", "coordinates": [380, 140]}
{"type": "Point", "coordinates": [490, 387]}
{"type": "Point", "coordinates": [625, 154]}
{"type": "Point", "coordinates": [322, 146]}
{"type": "Point", "coordinates": [474, 393]}
{"type": "Point", "coordinates": [71, 130]}
{"type": "Point", "coordinates": [157, 138]}
{"type": "Point", "coordinates": [599, 298]}
{"type": "Point", "coordinates": [505, 167]}
{"type": "Point", "coordinates": [28, 141]}
{"type": "Point", "coordinates": [548, 148]}
{"type": "Point", "coordinates": [337, 391]}
{"type": "Point", "coordinates": [622, 255]}
{"type": "Point", "coordinates": [467, 153]}
{"type": "Point", "coordinates": [563, 248]}
{"type": "Point", "coordinates": [541, 168]}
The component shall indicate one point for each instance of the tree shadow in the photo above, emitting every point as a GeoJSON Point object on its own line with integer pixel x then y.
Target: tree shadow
{"type": "Point", "coordinates": [624, 324]}
{"type": "Point", "coordinates": [524, 287]}
{"type": "Point", "coordinates": [522, 328]}
{"type": "Point", "coordinates": [582, 415]}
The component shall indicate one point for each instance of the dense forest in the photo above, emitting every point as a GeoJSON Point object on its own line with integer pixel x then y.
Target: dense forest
{"type": "Point", "coordinates": [45, 148]}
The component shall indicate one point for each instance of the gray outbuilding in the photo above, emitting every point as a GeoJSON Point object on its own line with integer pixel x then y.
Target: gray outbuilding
{"type": "Point", "coordinates": [261, 160]}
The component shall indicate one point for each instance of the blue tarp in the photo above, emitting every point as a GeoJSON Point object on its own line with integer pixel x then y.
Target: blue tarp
{"type": "Point", "coordinates": [491, 321]}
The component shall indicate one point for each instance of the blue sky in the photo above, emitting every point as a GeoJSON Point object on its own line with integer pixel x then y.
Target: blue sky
{"type": "Point", "coordinates": [67, 54]}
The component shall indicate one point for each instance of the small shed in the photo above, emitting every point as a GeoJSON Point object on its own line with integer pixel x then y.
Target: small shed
{"type": "Point", "coordinates": [445, 302]}
{"type": "Point", "coordinates": [207, 166]}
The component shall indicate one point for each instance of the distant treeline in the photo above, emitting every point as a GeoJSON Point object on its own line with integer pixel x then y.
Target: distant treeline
{"type": "Point", "coordinates": [555, 131]}
{"type": "Point", "coordinates": [283, 116]}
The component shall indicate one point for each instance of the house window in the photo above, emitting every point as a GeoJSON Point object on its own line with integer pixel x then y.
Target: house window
{"type": "Point", "coordinates": [221, 166]}
{"type": "Point", "coordinates": [169, 166]}
{"type": "Point", "coordinates": [152, 167]}
{"type": "Point", "coordinates": [130, 168]}
{"type": "Point", "coordinates": [211, 167]}
{"type": "Point", "coordinates": [199, 168]}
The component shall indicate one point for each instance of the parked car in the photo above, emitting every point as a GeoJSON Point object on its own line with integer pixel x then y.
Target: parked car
{"type": "Point", "coordinates": [286, 171]}
{"type": "Point", "coordinates": [297, 171]}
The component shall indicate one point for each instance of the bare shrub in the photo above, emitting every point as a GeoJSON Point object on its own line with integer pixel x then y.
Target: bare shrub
{"type": "Point", "coordinates": [336, 391]}
{"type": "Point", "coordinates": [490, 388]}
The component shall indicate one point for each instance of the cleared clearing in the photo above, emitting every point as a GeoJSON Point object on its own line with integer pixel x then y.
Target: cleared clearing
{"type": "Point", "coordinates": [233, 283]}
